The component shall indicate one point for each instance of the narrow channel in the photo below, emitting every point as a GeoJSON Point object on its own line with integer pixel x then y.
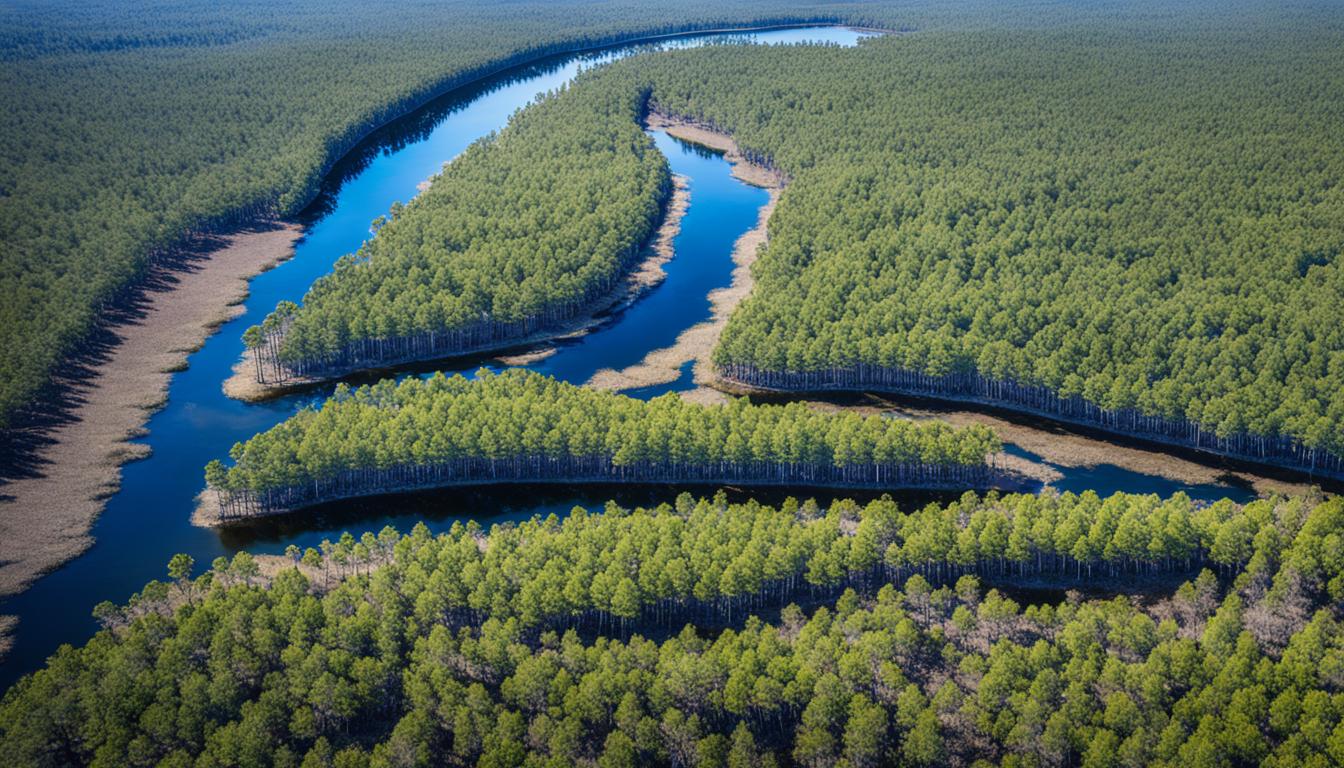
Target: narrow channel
{"type": "Point", "coordinates": [147, 521]}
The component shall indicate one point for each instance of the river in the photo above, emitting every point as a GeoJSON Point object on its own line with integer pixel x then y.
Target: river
{"type": "Point", "coordinates": [147, 521]}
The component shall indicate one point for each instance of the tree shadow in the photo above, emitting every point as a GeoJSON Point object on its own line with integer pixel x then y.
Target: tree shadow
{"type": "Point", "coordinates": [25, 445]}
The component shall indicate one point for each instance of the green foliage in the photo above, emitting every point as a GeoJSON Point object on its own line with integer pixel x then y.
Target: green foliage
{"type": "Point", "coordinates": [533, 425]}
{"type": "Point", "coordinates": [657, 565]}
{"type": "Point", "coordinates": [127, 127]}
{"type": "Point", "coordinates": [1146, 219]}
{"type": "Point", "coordinates": [522, 230]}
{"type": "Point", "coordinates": [379, 670]}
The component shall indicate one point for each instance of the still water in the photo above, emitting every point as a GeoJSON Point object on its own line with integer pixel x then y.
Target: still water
{"type": "Point", "coordinates": [147, 521]}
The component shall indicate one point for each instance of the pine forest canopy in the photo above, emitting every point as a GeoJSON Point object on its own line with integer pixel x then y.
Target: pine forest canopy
{"type": "Point", "coordinates": [660, 565]}
{"type": "Point", "coordinates": [522, 421]}
{"type": "Point", "coordinates": [522, 230]}
{"type": "Point", "coordinates": [128, 126]}
{"type": "Point", "coordinates": [385, 668]}
{"type": "Point", "coordinates": [1148, 220]}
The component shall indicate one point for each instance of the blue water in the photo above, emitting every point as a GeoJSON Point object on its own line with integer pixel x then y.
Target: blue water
{"type": "Point", "coordinates": [1106, 479]}
{"type": "Point", "coordinates": [147, 521]}
{"type": "Point", "coordinates": [721, 210]}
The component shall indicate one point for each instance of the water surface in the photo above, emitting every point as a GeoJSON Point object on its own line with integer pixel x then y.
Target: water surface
{"type": "Point", "coordinates": [147, 521]}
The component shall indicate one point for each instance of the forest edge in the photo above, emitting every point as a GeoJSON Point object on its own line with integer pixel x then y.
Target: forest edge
{"type": "Point", "coordinates": [46, 518]}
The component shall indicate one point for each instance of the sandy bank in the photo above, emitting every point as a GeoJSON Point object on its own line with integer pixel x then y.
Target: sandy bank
{"type": "Point", "coordinates": [1055, 446]}
{"type": "Point", "coordinates": [695, 344]}
{"type": "Point", "coordinates": [45, 519]}
{"type": "Point", "coordinates": [743, 170]}
{"type": "Point", "coordinates": [7, 624]}
{"type": "Point", "coordinates": [647, 272]}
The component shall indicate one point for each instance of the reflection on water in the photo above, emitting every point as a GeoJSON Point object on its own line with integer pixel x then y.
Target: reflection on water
{"type": "Point", "coordinates": [1106, 479]}
{"type": "Point", "coordinates": [491, 505]}
{"type": "Point", "coordinates": [147, 520]}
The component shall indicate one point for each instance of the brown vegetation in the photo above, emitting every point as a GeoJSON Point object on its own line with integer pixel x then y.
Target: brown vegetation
{"type": "Point", "coordinates": [45, 517]}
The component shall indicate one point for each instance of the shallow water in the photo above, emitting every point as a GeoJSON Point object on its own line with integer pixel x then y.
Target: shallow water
{"type": "Point", "coordinates": [147, 521]}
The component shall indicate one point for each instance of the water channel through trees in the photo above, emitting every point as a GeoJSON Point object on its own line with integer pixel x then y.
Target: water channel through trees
{"type": "Point", "coordinates": [148, 519]}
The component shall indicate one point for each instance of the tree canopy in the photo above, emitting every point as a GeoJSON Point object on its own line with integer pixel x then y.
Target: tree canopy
{"type": "Point", "coordinates": [378, 668]}
{"type": "Point", "coordinates": [520, 425]}
{"type": "Point", "coordinates": [521, 231]}
{"type": "Point", "coordinates": [128, 129]}
{"type": "Point", "coordinates": [1149, 221]}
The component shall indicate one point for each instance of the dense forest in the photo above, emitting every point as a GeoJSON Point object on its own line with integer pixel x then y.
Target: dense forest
{"type": "Point", "coordinates": [691, 562]}
{"type": "Point", "coordinates": [387, 650]}
{"type": "Point", "coordinates": [1140, 230]}
{"type": "Point", "coordinates": [1125, 214]}
{"type": "Point", "coordinates": [520, 426]}
{"type": "Point", "coordinates": [521, 232]}
{"type": "Point", "coordinates": [130, 128]}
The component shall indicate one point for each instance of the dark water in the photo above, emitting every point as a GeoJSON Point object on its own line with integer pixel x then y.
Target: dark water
{"type": "Point", "coordinates": [147, 521]}
{"type": "Point", "coordinates": [1106, 479]}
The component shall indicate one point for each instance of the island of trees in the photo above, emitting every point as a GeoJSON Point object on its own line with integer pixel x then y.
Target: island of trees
{"type": "Point", "coordinates": [470, 648]}
{"type": "Point", "coordinates": [1147, 250]}
{"type": "Point", "coordinates": [520, 426]}
{"type": "Point", "coordinates": [522, 232]}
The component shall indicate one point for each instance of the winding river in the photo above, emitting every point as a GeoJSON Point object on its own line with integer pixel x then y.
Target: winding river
{"type": "Point", "coordinates": [147, 521]}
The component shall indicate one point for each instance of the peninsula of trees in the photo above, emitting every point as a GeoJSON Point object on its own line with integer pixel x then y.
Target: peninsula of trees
{"type": "Point", "coordinates": [1140, 232]}
{"type": "Point", "coordinates": [419, 650]}
{"type": "Point", "coordinates": [522, 232]}
{"type": "Point", "coordinates": [520, 426]}
{"type": "Point", "coordinates": [196, 118]}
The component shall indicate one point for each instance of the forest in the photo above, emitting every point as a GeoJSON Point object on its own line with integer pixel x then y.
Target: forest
{"type": "Point", "coordinates": [521, 426]}
{"type": "Point", "coordinates": [131, 131]}
{"type": "Point", "coordinates": [519, 233]}
{"type": "Point", "coordinates": [1136, 230]}
{"type": "Point", "coordinates": [397, 650]}
{"type": "Point", "coordinates": [1126, 215]}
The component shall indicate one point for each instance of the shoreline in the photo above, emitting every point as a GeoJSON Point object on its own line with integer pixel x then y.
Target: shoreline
{"type": "Point", "coordinates": [47, 518]}
{"type": "Point", "coordinates": [1070, 449]}
{"type": "Point", "coordinates": [207, 512]}
{"type": "Point", "coordinates": [645, 274]}
{"type": "Point", "coordinates": [695, 344]}
{"type": "Point", "coordinates": [1055, 443]}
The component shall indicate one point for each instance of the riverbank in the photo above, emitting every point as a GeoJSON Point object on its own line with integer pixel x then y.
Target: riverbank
{"type": "Point", "coordinates": [695, 344]}
{"type": "Point", "coordinates": [644, 275]}
{"type": "Point", "coordinates": [45, 518]}
{"type": "Point", "coordinates": [209, 514]}
{"type": "Point", "coordinates": [1051, 447]}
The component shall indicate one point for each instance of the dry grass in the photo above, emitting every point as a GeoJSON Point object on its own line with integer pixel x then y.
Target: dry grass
{"type": "Point", "coordinates": [7, 624]}
{"type": "Point", "coordinates": [1061, 446]}
{"type": "Point", "coordinates": [46, 520]}
{"type": "Point", "coordinates": [755, 175]}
